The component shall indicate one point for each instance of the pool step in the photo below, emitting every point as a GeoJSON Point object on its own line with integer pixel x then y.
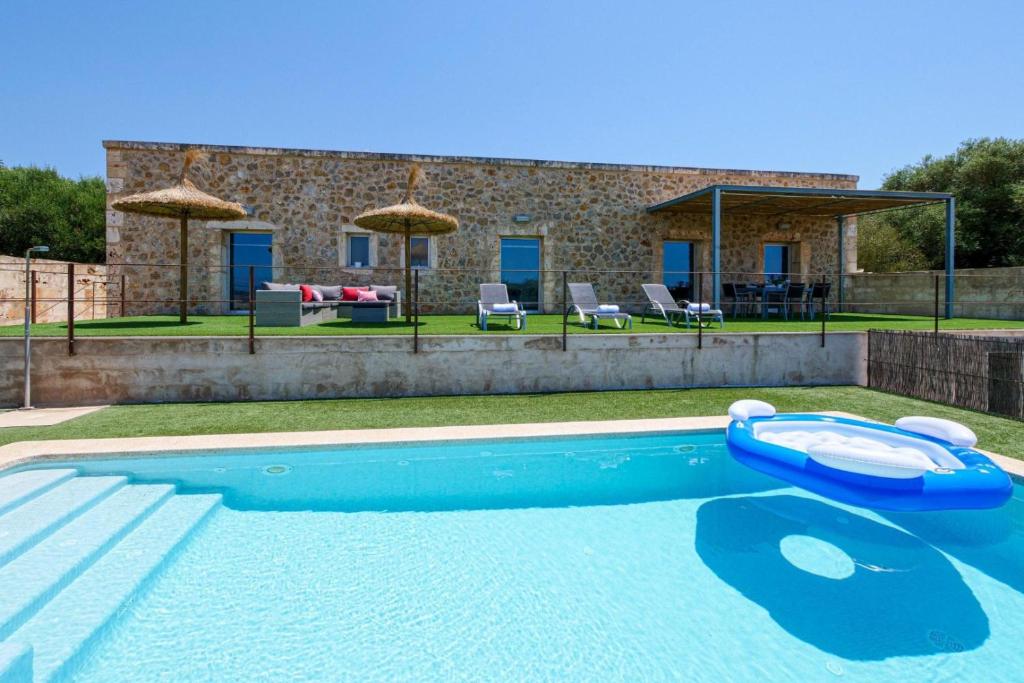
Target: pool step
{"type": "Point", "coordinates": [65, 625]}
{"type": "Point", "coordinates": [37, 574]}
{"type": "Point", "coordinates": [21, 487]}
{"type": "Point", "coordinates": [34, 520]}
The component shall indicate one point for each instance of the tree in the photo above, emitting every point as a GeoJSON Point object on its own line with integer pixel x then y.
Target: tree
{"type": "Point", "coordinates": [987, 178]}
{"type": "Point", "coordinates": [38, 206]}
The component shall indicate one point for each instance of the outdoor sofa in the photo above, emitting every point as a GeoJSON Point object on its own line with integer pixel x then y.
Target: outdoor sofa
{"type": "Point", "coordinates": [281, 305]}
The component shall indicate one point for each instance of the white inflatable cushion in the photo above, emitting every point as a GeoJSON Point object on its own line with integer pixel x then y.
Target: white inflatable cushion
{"type": "Point", "coordinates": [823, 437]}
{"type": "Point", "coordinates": [947, 430]}
{"type": "Point", "coordinates": [892, 463]}
{"type": "Point", "coordinates": [742, 411]}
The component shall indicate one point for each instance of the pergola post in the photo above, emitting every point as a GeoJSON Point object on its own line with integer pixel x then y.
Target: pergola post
{"type": "Point", "coordinates": [950, 253]}
{"type": "Point", "coordinates": [716, 247]}
{"type": "Point", "coordinates": [841, 258]}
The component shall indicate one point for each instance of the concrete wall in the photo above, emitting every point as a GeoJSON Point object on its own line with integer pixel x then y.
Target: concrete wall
{"type": "Point", "coordinates": [119, 370]}
{"type": "Point", "coordinates": [587, 216]}
{"type": "Point", "coordinates": [996, 293]}
{"type": "Point", "coordinates": [52, 291]}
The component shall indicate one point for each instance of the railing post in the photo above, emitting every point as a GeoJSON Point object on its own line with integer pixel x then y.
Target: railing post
{"type": "Point", "coordinates": [34, 283]}
{"type": "Point", "coordinates": [416, 312]}
{"type": "Point", "coordinates": [823, 315]}
{"type": "Point", "coordinates": [123, 295]}
{"type": "Point", "coordinates": [252, 310]}
{"type": "Point", "coordinates": [936, 313]}
{"type": "Point", "coordinates": [71, 309]}
{"type": "Point", "coordinates": [700, 305]}
{"type": "Point", "coordinates": [565, 310]}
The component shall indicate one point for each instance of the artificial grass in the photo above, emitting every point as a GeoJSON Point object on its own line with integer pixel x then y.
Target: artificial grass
{"type": "Point", "coordinates": [997, 434]}
{"type": "Point", "coordinates": [238, 325]}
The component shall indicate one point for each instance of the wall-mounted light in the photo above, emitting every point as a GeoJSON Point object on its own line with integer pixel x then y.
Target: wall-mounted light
{"type": "Point", "coordinates": [782, 225]}
{"type": "Point", "coordinates": [521, 218]}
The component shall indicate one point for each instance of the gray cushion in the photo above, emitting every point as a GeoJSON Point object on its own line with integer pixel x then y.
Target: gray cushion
{"type": "Point", "coordinates": [279, 287]}
{"type": "Point", "coordinates": [384, 292]}
{"type": "Point", "coordinates": [330, 292]}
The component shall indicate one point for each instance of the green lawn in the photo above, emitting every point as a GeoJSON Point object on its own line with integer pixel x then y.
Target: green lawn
{"type": "Point", "coordinates": [233, 325]}
{"type": "Point", "coordinates": [997, 434]}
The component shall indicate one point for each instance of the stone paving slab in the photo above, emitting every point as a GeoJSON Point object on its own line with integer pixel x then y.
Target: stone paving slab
{"type": "Point", "coordinates": [43, 417]}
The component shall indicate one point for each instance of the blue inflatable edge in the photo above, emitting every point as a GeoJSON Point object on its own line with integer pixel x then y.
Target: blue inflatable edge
{"type": "Point", "coordinates": [980, 485]}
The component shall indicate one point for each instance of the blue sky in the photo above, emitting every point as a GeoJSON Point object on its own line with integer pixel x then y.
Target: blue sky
{"type": "Point", "coordinates": [852, 87]}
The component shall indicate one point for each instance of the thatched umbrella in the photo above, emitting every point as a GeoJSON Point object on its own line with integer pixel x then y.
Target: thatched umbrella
{"type": "Point", "coordinates": [182, 201]}
{"type": "Point", "coordinates": [407, 218]}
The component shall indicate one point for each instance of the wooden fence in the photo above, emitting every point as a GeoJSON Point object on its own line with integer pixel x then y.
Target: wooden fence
{"type": "Point", "coordinates": [976, 372]}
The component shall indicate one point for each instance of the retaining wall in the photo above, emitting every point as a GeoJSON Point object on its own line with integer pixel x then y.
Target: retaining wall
{"type": "Point", "coordinates": [146, 370]}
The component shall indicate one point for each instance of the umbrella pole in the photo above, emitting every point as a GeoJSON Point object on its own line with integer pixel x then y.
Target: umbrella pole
{"type": "Point", "coordinates": [183, 274]}
{"type": "Point", "coordinates": [408, 273]}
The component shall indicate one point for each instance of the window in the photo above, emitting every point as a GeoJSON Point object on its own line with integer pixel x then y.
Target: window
{"type": "Point", "coordinates": [358, 251]}
{"type": "Point", "coordinates": [520, 270]}
{"type": "Point", "coordinates": [776, 263]}
{"type": "Point", "coordinates": [248, 249]}
{"type": "Point", "coordinates": [677, 268]}
{"type": "Point", "coordinates": [420, 250]}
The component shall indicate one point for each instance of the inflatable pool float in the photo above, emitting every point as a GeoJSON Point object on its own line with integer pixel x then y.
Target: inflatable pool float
{"type": "Point", "coordinates": [921, 463]}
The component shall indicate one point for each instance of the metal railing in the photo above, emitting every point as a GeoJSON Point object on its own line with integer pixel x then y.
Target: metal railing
{"type": "Point", "coordinates": [753, 297]}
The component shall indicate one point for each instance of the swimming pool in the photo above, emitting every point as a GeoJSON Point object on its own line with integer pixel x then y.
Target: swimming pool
{"type": "Point", "coordinates": [643, 557]}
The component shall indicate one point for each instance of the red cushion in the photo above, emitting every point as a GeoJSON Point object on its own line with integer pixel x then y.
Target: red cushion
{"type": "Point", "coordinates": [351, 293]}
{"type": "Point", "coordinates": [307, 293]}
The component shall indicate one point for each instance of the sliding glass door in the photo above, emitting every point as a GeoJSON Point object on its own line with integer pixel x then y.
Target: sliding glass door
{"type": "Point", "coordinates": [520, 270]}
{"type": "Point", "coordinates": [248, 249]}
{"type": "Point", "coordinates": [677, 268]}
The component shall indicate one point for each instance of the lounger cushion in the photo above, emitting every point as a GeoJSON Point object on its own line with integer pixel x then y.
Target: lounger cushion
{"type": "Point", "coordinates": [504, 308]}
{"type": "Point", "coordinates": [607, 308]}
{"type": "Point", "coordinates": [330, 292]}
{"type": "Point", "coordinates": [384, 292]}
{"type": "Point", "coordinates": [352, 293]}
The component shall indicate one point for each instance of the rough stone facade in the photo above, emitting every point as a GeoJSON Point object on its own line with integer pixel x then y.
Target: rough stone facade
{"type": "Point", "coordinates": [589, 217]}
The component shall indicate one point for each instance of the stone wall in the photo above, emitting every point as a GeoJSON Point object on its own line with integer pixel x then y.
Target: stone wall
{"type": "Point", "coordinates": [996, 293]}
{"type": "Point", "coordinates": [91, 291]}
{"type": "Point", "coordinates": [588, 216]}
{"type": "Point", "coordinates": [148, 370]}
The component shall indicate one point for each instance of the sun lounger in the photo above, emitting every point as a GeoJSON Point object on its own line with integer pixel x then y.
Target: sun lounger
{"type": "Point", "coordinates": [585, 304]}
{"type": "Point", "coordinates": [661, 304]}
{"type": "Point", "coordinates": [493, 302]}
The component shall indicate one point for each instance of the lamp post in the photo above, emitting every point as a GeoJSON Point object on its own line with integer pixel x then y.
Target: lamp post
{"type": "Point", "coordinates": [28, 322]}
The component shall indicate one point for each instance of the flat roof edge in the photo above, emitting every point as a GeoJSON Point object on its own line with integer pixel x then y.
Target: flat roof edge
{"type": "Point", "coordinates": [433, 158]}
{"type": "Point", "coordinates": [813, 191]}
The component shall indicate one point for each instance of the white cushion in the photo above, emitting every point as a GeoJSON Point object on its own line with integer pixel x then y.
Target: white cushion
{"type": "Point", "coordinates": [892, 463]}
{"type": "Point", "coordinates": [747, 408]}
{"type": "Point", "coordinates": [699, 308]}
{"type": "Point", "coordinates": [503, 308]}
{"type": "Point", "coordinates": [607, 308]}
{"type": "Point", "coordinates": [947, 430]}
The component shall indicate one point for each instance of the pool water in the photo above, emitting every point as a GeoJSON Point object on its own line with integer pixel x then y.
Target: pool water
{"type": "Point", "coordinates": [625, 558]}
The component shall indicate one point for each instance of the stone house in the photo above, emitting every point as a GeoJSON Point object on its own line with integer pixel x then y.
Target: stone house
{"type": "Point", "coordinates": [521, 221]}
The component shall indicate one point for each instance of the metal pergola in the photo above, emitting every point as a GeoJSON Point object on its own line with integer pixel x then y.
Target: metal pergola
{"type": "Point", "coordinates": [757, 200]}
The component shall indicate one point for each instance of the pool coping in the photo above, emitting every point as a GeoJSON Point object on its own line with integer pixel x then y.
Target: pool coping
{"type": "Point", "coordinates": [25, 452]}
